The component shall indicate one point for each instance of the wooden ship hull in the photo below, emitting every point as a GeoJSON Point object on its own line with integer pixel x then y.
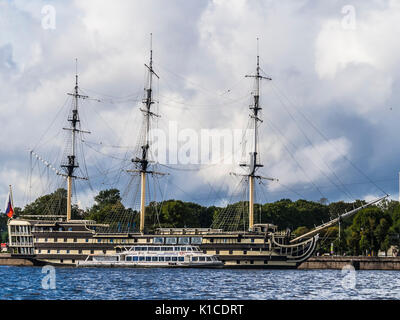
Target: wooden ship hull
{"type": "Point", "coordinates": [66, 243]}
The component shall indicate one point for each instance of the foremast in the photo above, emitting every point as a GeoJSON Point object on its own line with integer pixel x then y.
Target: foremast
{"type": "Point", "coordinates": [72, 164]}
{"type": "Point", "coordinates": [143, 161]}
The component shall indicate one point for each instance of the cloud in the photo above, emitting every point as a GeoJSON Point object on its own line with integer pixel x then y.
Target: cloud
{"type": "Point", "coordinates": [331, 87]}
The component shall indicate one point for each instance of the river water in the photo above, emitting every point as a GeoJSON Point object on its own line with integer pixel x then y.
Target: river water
{"type": "Point", "coordinates": [211, 284]}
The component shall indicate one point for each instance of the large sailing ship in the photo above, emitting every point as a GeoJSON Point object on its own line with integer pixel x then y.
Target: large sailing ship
{"type": "Point", "coordinates": [61, 240]}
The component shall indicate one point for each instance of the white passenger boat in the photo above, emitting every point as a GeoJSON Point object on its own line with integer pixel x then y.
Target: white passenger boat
{"type": "Point", "coordinates": [153, 257]}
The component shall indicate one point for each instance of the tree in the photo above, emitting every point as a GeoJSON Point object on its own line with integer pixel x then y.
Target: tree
{"type": "Point", "coordinates": [369, 232]}
{"type": "Point", "coordinates": [51, 204]}
{"type": "Point", "coordinates": [107, 203]}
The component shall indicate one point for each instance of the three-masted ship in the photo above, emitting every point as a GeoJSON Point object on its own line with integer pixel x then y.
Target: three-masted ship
{"type": "Point", "coordinates": [64, 241]}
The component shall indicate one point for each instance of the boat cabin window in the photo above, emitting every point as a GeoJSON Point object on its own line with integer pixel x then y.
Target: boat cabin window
{"type": "Point", "coordinates": [135, 259]}
{"type": "Point", "coordinates": [128, 258]}
{"type": "Point", "coordinates": [158, 240]}
{"type": "Point", "coordinates": [184, 240]}
{"type": "Point", "coordinates": [194, 258]}
{"type": "Point", "coordinates": [181, 259]}
{"type": "Point", "coordinates": [209, 259]}
{"type": "Point", "coordinates": [170, 240]}
{"type": "Point", "coordinates": [202, 259]}
{"type": "Point", "coordinates": [148, 259]}
{"type": "Point", "coordinates": [196, 240]}
{"type": "Point", "coordinates": [141, 258]}
{"type": "Point", "coordinates": [161, 259]}
{"type": "Point", "coordinates": [174, 258]}
{"type": "Point", "coordinates": [167, 258]}
{"type": "Point", "coordinates": [154, 259]}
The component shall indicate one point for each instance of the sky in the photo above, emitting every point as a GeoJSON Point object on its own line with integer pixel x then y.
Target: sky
{"type": "Point", "coordinates": [330, 114]}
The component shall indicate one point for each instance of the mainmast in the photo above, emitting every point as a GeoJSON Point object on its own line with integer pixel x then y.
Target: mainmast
{"type": "Point", "coordinates": [143, 162]}
{"type": "Point", "coordinates": [253, 161]}
{"type": "Point", "coordinates": [72, 164]}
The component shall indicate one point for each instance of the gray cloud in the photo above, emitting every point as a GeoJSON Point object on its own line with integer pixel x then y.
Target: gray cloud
{"type": "Point", "coordinates": [343, 82]}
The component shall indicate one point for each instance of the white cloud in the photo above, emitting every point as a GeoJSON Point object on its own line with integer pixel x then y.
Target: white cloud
{"type": "Point", "coordinates": [202, 52]}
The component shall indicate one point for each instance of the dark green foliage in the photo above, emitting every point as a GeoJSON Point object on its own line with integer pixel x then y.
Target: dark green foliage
{"type": "Point", "coordinates": [51, 204]}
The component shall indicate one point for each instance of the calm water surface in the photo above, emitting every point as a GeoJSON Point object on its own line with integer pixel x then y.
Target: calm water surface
{"type": "Point", "coordinates": [110, 284]}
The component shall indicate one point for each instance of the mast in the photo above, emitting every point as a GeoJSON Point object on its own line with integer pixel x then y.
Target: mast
{"type": "Point", "coordinates": [143, 162]}
{"type": "Point", "coordinates": [72, 164]}
{"type": "Point", "coordinates": [253, 163]}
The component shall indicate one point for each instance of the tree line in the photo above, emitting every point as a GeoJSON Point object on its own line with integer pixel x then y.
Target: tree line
{"type": "Point", "coordinates": [372, 229]}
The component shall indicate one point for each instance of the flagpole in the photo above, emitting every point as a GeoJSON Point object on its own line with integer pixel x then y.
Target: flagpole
{"type": "Point", "coordinates": [11, 196]}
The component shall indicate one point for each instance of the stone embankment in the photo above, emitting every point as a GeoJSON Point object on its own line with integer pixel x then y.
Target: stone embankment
{"type": "Point", "coordinates": [359, 263]}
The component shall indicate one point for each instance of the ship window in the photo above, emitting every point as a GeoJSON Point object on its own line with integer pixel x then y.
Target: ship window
{"type": "Point", "coordinates": [91, 251]}
{"type": "Point", "coordinates": [104, 251]}
{"type": "Point", "coordinates": [80, 251]}
{"type": "Point", "coordinates": [244, 252]}
{"type": "Point", "coordinates": [67, 251]}
{"type": "Point", "coordinates": [252, 240]}
{"type": "Point", "coordinates": [69, 229]}
{"type": "Point", "coordinates": [87, 240]}
{"type": "Point", "coordinates": [161, 259]}
{"type": "Point", "coordinates": [58, 251]}
{"type": "Point", "coordinates": [148, 258]}
{"type": "Point", "coordinates": [48, 251]}
{"type": "Point", "coordinates": [237, 261]}
{"type": "Point", "coordinates": [209, 259]}
{"type": "Point", "coordinates": [181, 259]}
{"type": "Point", "coordinates": [135, 258]}
{"type": "Point", "coordinates": [60, 229]}
{"type": "Point", "coordinates": [194, 258]}
{"type": "Point", "coordinates": [202, 259]}
{"type": "Point", "coordinates": [196, 240]}
{"type": "Point", "coordinates": [184, 240]}
{"type": "Point", "coordinates": [111, 240]}
{"type": "Point", "coordinates": [75, 239]}
{"type": "Point", "coordinates": [170, 240]}
{"type": "Point", "coordinates": [128, 258]}
{"type": "Point", "coordinates": [167, 258]}
{"type": "Point", "coordinates": [158, 240]}
{"type": "Point", "coordinates": [251, 261]}
{"type": "Point", "coordinates": [141, 258]}
{"type": "Point", "coordinates": [45, 240]}
{"type": "Point", "coordinates": [98, 240]}
{"type": "Point", "coordinates": [174, 258]}
{"type": "Point", "coordinates": [155, 259]}
{"type": "Point", "coordinates": [230, 251]}
{"type": "Point", "coordinates": [156, 249]}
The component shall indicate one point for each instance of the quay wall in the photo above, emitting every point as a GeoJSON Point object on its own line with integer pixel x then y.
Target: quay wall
{"type": "Point", "coordinates": [7, 260]}
{"type": "Point", "coordinates": [359, 263]}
